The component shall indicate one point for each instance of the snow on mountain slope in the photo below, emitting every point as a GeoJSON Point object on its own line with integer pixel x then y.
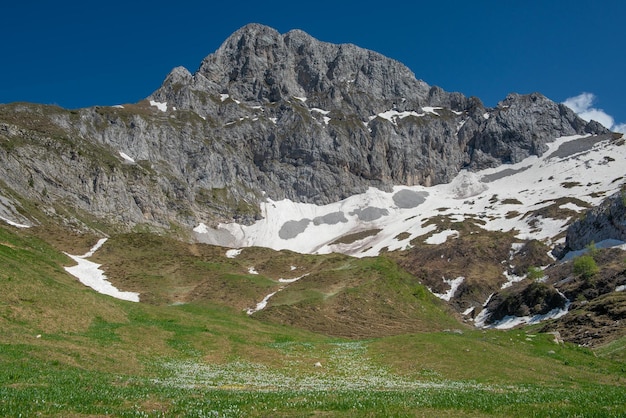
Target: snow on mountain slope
{"type": "Point", "coordinates": [89, 274]}
{"type": "Point", "coordinates": [504, 198]}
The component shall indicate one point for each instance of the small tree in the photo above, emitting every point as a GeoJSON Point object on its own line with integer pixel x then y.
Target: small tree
{"type": "Point", "coordinates": [585, 266]}
{"type": "Point", "coordinates": [534, 273]}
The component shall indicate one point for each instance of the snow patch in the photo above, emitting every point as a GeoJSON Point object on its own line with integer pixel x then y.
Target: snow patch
{"type": "Point", "coordinates": [512, 321]}
{"type": "Point", "coordinates": [225, 96]}
{"type": "Point", "coordinates": [233, 253]}
{"type": "Point", "coordinates": [295, 279]}
{"type": "Point", "coordinates": [126, 157]}
{"type": "Point", "coordinates": [510, 279]}
{"type": "Point", "coordinates": [89, 274]}
{"type": "Point", "coordinates": [261, 305]}
{"type": "Point", "coordinates": [468, 310]}
{"type": "Point", "coordinates": [607, 243]}
{"type": "Point", "coordinates": [393, 115]}
{"type": "Point", "coordinates": [323, 112]}
{"type": "Point", "coordinates": [620, 288]}
{"type": "Point", "coordinates": [571, 206]}
{"type": "Point", "coordinates": [432, 110]}
{"type": "Point", "coordinates": [252, 270]}
{"type": "Point", "coordinates": [10, 215]}
{"type": "Point", "coordinates": [15, 224]}
{"type": "Point", "coordinates": [467, 184]}
{"type": "Point", "coordinates": [460, 125]}
{"type": "Point", "coordinates": [201, 228]}
{"type": "Point", "coordinates": [162, 106]}
{"type": "Point", "coordinates": [454, 285]}
{"type": "Point", "coordinates": [441, 237]}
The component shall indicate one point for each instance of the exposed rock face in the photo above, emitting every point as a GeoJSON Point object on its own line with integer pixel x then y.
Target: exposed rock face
{"type": "Point", "coordinates": [259, 65]}
{"type": "Point", "coordinates": [525, 299]}
{"type": "Point", "coordinates": [605, 222]}
{"type": "Point", "coordinates": [283, 116]}
{"type": "Point", "coordinates": [520, 127]}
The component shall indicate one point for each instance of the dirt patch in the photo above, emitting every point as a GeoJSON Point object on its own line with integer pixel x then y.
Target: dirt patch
{"type": "Point", "coordinates": [350, 238]}
{"type": "Point", "coordinates": [555, 211]}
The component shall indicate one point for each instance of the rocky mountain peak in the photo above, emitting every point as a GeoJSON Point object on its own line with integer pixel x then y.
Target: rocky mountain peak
{"type": "Point", "coordinates": [257, 64]}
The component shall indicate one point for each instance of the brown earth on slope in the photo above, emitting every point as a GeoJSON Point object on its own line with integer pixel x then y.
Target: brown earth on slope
{"type": "Point", "coordinates": [480, 256]}
{"type": "Point", "coordinates": [597, 314]}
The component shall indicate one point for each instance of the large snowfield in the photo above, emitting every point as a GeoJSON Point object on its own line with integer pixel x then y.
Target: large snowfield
{"type": "Point", "coordinates": [575, 166]}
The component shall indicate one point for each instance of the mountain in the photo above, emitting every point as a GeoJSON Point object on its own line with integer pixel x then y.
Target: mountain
{"type": "Point", "coordinates": [287, 142]}
{"type": "Point", "coordinates": [267, 115]}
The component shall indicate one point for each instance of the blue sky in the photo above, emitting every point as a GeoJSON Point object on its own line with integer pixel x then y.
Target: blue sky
{"type": "Point", "coordinates": [78, 54]}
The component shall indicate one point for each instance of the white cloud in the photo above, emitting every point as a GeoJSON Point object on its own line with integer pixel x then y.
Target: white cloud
{"type": "Point", "coordinates": [580, 103]}
{"type": "Point", "coordinates": [582, 106]}
{"type": "Point", "coordinates": [620, 128]}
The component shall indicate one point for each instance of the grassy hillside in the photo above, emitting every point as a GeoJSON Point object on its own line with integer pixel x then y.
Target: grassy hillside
{"type": "Point", "coordinates": [189, 349]}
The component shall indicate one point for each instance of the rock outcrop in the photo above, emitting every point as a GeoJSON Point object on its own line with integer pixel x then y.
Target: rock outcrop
{"type": "Point", "coordinates": [606, 222]}
{"type": "Point", "coordinates": [524, 299]}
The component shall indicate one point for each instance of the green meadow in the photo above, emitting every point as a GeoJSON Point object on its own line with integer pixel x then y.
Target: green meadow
{"type": "Point", "coordinates": [190, 350]}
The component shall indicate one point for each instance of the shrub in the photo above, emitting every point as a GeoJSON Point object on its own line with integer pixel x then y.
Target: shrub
{"type": "Point", "coordinates": [585, 266]}
{"type": "Point", "coordinates": [534, 273]}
